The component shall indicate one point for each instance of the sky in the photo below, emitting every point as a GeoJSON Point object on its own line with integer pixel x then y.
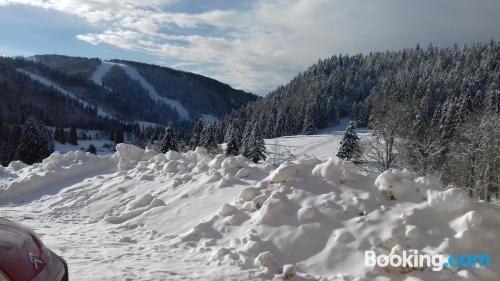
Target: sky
{"type": "Point", "coordinates": [254, 45]}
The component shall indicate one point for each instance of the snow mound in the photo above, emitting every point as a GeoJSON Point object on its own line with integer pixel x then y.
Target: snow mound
{"type": "Point", "coordinates": [224, 218]}
{"type": "Point", "coordinates": [337, 170]}
{"type": "Point", "coordinates": [453, 200]}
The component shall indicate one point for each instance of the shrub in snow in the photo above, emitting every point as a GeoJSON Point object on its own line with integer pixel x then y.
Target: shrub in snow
{"type": "Point", "coordinates": [336, 170]}
{"type": "Point", "coordinates": [289, 272]}
{"type": "Point", "coordinates": [286, 172]}
{"type": "Point", "coordinates": [258, 201]}
{"type": "Point", "coordinates": [423, 184]}
{"type": "Point", "coordinates": [453, 200]}
{"type": "Point", "coordinates": [248, 193]}
{"type": "Point", "coordinates": [393, 183]}
{"type": "Point", "coordinates": [201, 154]}
{"type": "Point", "coordinates": [265, 259]}
{"type": "Point", "coordinates": [343, 236]}
{"type": "Point", "coordinates": [129, 155]}
{"type": "Point", "coordinates": [172, 155]}
{"type": "Point", "coordinates": [171, 167]}
{"type": "Point", "coordinates": [468, 221]}
{"type": "Point", "coordinates": [231, 165]}
{"type": "Point", "coordinates": [16, 166]}
{"type": "Point", "coordinates": [216, 162]}
{"type": "Point", "coordinates": [221, 252]}
{"type": "Point", "coordinates": [272, 209]}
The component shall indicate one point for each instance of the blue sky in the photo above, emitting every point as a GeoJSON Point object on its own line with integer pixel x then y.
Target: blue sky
{"type": "Point", "coordinates": [254, 45]}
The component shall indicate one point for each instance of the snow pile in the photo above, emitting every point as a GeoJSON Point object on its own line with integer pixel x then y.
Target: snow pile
{"type": "Point", "coordinates": [197, 216]}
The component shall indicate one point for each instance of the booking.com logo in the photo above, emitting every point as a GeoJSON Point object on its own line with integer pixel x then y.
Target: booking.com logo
{"type": "Point", "coordinates": [414, 259]}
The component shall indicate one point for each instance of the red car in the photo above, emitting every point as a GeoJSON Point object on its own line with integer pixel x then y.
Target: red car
{"type": "Point", "coordinates": [23, 257]}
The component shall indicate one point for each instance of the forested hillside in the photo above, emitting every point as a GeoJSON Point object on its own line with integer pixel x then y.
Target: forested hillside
{"type": "Point", "coordinates": [438, 107]}
{"type": "Point", "coordinates": [111, 97]}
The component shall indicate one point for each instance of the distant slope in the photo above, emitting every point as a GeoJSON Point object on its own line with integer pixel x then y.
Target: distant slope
{"type": "Point", "coordinates": [169, 95]}
{"type": "Point", "coordinates": [133, 74]}
{"type": "Point", "coordinates": [198, 94]}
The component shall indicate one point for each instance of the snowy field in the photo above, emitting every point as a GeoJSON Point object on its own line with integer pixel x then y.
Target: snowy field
{"type": "Point", "coordinates": [322, 145]}
{"type": "Point", "coordinates": [138, 215]}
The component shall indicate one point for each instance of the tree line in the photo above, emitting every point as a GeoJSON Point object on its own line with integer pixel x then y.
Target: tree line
{"type": "Point", "coordinates": [434, 110]}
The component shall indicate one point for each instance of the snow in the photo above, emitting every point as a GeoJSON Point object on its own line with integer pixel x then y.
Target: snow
{"type": "Point", "coordinates": [322, 145]}
{"type": "Point", "coordinates": [140, 215]}
{"type": "Point", "coordinates": [105, 66]}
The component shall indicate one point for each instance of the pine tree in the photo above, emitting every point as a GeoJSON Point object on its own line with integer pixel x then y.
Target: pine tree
{"type": "Point", "coordinates": [255, 147]}
{"type": "Point", "coordinates": [349, 145]}
{"type": "Point", "coordinates": [308, 125]}
{"type": "Point", "coordinates": [72, 138]}
{"type": "Point", "coordinates": [62, 135]}
{"type": "Point", "coordinates": [92, 149]}
{"type": "Point", "coordinates": [196, 133]}
{"type": "Point", "coordinates": [35, 143]}
{"type": "Point", "coordinates": [492, 101]}
{"type": "Point", "coordinates": [168, 140]}
{"type": "Point", "coordinates": [119, 137]}
{"type": "Point", "coordinates": [209, 140]}
{"type": "Point", "coordinates": [233, 143]}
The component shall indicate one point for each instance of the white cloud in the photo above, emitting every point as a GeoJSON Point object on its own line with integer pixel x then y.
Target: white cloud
{"type": "Point", "coordinates": [270, 41]}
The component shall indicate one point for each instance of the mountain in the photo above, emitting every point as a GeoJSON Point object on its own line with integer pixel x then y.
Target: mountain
{"type": "Point", "coordinates": [343, 85]}
{"type": "Point", "coordinates": [122, 90]}
{"type": "Point", "coordinates": [434, 110]}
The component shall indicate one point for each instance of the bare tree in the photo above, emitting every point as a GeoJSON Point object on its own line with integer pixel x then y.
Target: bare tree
{"type": "Point", "coordinates": [389, 120]}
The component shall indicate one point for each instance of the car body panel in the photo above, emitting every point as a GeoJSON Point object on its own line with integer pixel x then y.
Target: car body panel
{"type": "Point", "coordinates": [23, 257]}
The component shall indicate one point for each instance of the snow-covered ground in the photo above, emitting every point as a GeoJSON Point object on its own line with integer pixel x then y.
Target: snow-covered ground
{"type": "Point", "coordinates": [322, 145]}
{"type": "Point", "coordinates": [138, 215]}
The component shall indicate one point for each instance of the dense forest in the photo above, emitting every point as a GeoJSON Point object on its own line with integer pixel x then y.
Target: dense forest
{"type": "Point", "coordinates": [435, 110]}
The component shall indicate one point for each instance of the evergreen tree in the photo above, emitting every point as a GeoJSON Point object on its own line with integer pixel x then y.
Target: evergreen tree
{"type": "Point", "coordinates": [92, 149]}
{"type": "Point", "coordinates": [209, 140]}
{"type": "Point", "coordinates": [119, 137]}
{"type": "Point", "coordinates": [349, 145]}
{"type": "Point", "coordinates": [10, 146]}
{"type": "Point", "coordinates": [196, 134]}
{"type": "Point", "coordinates": [255, 147]}
{"type": "Point", "coordinates": [35, 143]}
{"type": "Point", "coordinates": [492, 101]}
{"type": "Point", "coordinates": [168, 140]}
{"type": "Point", "coordinates": [308, 126]}
{"type": "Point", "coordinates": [72, 138]}
{"type": "Point", "coordinates": [59, 135]}
{"type": "Point", "coordinates": [233, 143]}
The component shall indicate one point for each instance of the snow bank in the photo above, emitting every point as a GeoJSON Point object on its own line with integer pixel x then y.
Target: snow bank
{"type": "Point", "coordinates": [232, 219]}
{"type": "Point", "coordinates": [55, 172]}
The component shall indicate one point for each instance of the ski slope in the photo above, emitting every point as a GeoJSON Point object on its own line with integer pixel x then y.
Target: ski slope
{"type": "Point", "coordinates": [104, 68]}
{"type": "Point", "coordinates": [46, 82]}
{"type": "Point", "coordinates": [139, 215]}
